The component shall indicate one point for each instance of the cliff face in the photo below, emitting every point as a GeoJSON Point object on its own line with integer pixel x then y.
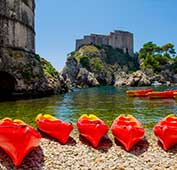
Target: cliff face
{"type": "Point", "coordinates": [96, 65]}
{"type": "Point", "coordinates": [21, 70]}
{"type": "Point", "coordinates": [91, 66]}
{"type": "Point", "coordinates": [28, 74]}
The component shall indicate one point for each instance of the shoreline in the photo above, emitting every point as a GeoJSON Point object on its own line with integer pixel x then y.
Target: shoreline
{"type": "Point", "coordinates": [79, 154]}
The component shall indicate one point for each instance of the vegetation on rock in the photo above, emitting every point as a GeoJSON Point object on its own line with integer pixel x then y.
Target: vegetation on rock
{"type": "Point", "coordinates": [48, 69]}
{"type": "Point", "coordinates": [155, 57]}
{"type": "Point", "coordinates": [94, 58]}
{"type": "Point", "coordinates": [102, 62]}
{"type": "Point", "coordinates": [94, 65]}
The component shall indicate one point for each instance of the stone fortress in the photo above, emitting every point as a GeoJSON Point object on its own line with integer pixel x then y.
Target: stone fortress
{"type": "Point", "coordinates": [17, 44]}
{"type": "Point", "coordinates": [21, 70]}
{"type": "Point", "coordinates": [17, 24]}
{"type": "Point", "coordinates": [117, 39]}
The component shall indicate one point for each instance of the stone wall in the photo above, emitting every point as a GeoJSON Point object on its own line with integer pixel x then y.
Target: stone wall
{"type": "Point", "coordinates": [122, 40]}
{"type": "Point", "coordinates": [117, 39]}
{"type": "Point", "coordinates": [17, 24]}
{"type": "Point", "coordinates": [96, 39]}
{"type": "Point", "coordinates": [21, 70]}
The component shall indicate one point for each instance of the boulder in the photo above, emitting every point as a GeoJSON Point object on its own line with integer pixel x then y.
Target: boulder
{"type": "Point", "coordinates": [120, 79]}
{"type": "Point", "coordinates": [86, 79]}
{"type": "Point", "coordinates": [71, 70]}
{"type": "Point", "coordinates": [137, 78]}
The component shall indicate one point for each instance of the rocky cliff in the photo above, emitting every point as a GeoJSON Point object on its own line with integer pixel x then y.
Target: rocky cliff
{"type": "Point", "coordinates": [97, 65]}
{"type": "Point", "coordinates": [26, 73]}
{"type": "Point", "coordinates": [92, 66]}
{"type": "Point", "coordinates": [147, 77]}
{"type": "Point", "coordinates": [21, 71]}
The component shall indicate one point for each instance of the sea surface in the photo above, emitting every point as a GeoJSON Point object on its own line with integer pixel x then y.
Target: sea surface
{"type": "Point", "coordinates": [106, 102]}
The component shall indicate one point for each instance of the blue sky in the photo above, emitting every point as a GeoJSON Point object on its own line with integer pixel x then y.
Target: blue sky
{"type": "Point", "coordinates": [60, 22]}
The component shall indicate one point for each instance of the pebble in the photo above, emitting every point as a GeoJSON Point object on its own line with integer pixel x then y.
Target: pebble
{"type": "Point", "coordinates": [51, 155]}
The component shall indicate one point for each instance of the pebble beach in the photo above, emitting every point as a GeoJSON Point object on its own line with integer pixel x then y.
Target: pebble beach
{"type": "Point", "coordinates": [78, 154]}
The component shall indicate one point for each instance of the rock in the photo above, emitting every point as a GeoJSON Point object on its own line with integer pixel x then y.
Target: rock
{"type": "Point", "coordinates": [120, 79]}
{"type": "Point", "coordinates": [71, 69]}
{"type": "Point", "coordinates": [33, 75]}
{"type": "Point", "coordinates": [91, 66]}
{"type": "Point", "coordinates": [101, 65]}
{"type": "Point", "coordinates": [137, 78]}
{"type": "Point", "coordinates": [144, 81]}
{"type": "Point", "coordinates": [86, 78]}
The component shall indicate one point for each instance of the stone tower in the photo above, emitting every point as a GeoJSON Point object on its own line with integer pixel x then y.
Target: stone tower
{"type": "Point", "coordinates": [17, 24]}
{"type": "Point", "coordinates": [122, 40]}
{"type": "Point", "coordinates": [21, 70]}
{"type": "Point", "coordinates": [17, 43]}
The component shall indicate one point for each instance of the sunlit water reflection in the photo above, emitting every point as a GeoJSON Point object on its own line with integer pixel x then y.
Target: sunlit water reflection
{"type": "Point", "coordinates": [106, 102]}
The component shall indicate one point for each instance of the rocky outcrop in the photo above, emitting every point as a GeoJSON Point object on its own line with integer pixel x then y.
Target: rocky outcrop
{"type": "Point", "coordinates": [31, 74]}
{"type": "Point", "coordinates": [96, 65]}
{"type": "Point", "coordinates": [140, 78]}
{"type": "Point", "coordinates": [77, 76]}
{"type": "Point", "coordinates": [101, 65]}
{"type": "Point", "coordinates": [86, 78]}
{"type": "Point", "coordinates": [137, 78]}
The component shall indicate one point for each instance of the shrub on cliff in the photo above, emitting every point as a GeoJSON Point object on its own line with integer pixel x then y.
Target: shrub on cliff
{"type": "Point", "coordinates": [174, 66]}
{"type": "Point", "coordinates": [92, 64]}
{"type": "Point", "coordinates": [101, 61]}
{"type": "Point", "coordinates": [48, 69]}
{"type": "Point", "coordinates": [96, 64]}
{"type": "Point", "coordinates": [94, 57]}
{"type": "Point", "coordinates": [85, 62]}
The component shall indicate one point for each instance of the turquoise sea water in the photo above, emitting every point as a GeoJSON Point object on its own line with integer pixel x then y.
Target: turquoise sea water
{"type": "Point", "coordinates": [106, 102]}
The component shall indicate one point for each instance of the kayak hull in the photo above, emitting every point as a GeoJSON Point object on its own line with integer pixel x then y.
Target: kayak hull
{"type": "Point", "coordinates": [138, 93]}
{"type": "Point", "coordinates": [17, 140]}
{"type": "Point", "coordinates": [56, 128]}
{"type": "Point", "coordinates": [162, 95]}
{"type": "Point", "coordinates": [128, 131]}
{"type": "Point", "coordinates": [92, 130]}
{"type": "Point", "coordinates": [166, 132]}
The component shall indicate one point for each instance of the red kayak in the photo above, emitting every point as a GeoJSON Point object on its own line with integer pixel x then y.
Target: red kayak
{"type": "Point", "coordinates": [166, 131]}
{"type": "Point", "coordinates": [162, 95]}
{"type": "Point", "coordinates": [138, 93]}
{"type": "Point", "coordinates": [127, 130]}
{"type": "Point", "coordinates": [17, 139]}
{"type": "Point", "coordinates": [54, 127]}
{"type": "Point", "coordinates": [92, 128]}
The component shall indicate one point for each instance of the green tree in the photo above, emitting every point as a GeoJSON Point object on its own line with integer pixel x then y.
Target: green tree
{"type": "Point", "coordinates": [148, 48]}
{"type": "Point", "coordinates": [155, 56]}
{"type": "Point", "coordinates": [151, 62]}
{"type": "Point", "coordinates": [169, 50]}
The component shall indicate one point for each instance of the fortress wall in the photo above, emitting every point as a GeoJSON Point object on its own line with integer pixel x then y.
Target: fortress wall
{"type": "Point", "coordinates": [20, 36]}
{"type": "Point", "coordinates": [99, 39]}
{"type": "Point", "coordinates": [17, 24]}
{"type": "Point", "coordinates": [92, 39]}
{"type": "Point", "coordinates": [122, 40]}
{"type": "Point", "coordinates": [117, 39]}
{"type": "Point", "coordinates": [80, 43]}
{"type": "Point", "coordinates": [85, 41]}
